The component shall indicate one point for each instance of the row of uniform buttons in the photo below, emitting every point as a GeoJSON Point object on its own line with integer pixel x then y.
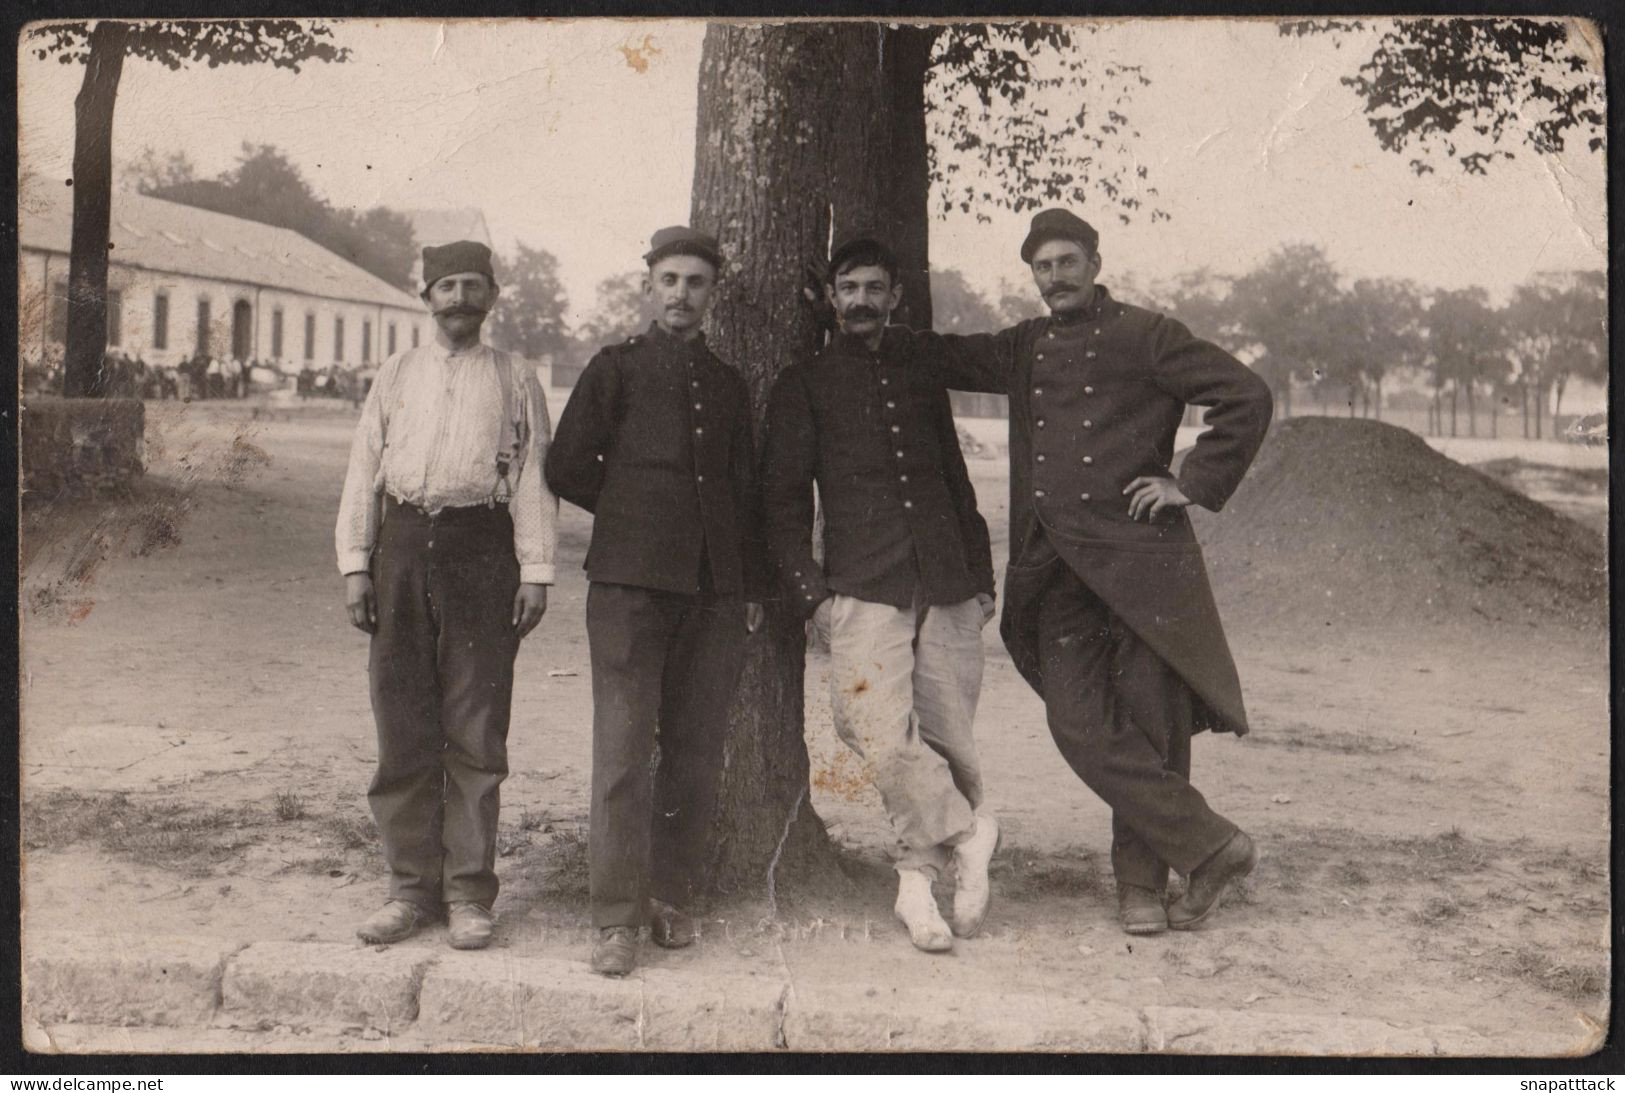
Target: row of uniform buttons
{"type": "Point", "coordinates": [1038, 392]}
{"type": "Point", "coordinates": [897, 430]}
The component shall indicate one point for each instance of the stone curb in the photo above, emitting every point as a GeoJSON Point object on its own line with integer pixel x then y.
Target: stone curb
{"type": "Point", "coordinates": [502, 1001]}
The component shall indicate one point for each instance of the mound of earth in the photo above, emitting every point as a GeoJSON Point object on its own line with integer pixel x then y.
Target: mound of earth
{"type": "Point", "coordinates": [1360, 522]}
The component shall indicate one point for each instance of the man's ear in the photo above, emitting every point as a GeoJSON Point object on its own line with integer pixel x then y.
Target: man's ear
{"type": "Point", "coordinates": [1095, 261]}
{"type": "Point", "coordinates": [648, 285]}
{"type": "Point", "coordinates": [896, 296]}
{"type": "Point", "coordinates": [829, 294]}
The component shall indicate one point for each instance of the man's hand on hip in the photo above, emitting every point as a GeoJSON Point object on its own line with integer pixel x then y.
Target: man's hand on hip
{"type": "Point", "coordinates": [361, 602]}
{"type": "Point", "coordinates": [1150, 496]}
{"type": "Point", "coordinates": [529, 605]}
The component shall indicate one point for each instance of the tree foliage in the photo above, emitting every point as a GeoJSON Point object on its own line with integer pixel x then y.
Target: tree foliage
{"type": "Point", "coordinates": [1466, 89]}
{"type": "Point", "coordinates": [617, 311]}
{"type": "Point", "coordinates": [1002, 142]}
{"type": "Point", "coordinates": [529, 314]}
{"type": "Point", "coordinates": [176, 43]}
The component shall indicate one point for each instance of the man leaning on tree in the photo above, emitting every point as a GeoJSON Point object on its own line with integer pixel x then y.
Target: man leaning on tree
{"type": "Point", "coordinates": [656, 443]}
{"type": "Point", "coordinates": [906, 584]}
{"type": "Point", "coordinates": [1107, 609]}
{"type": "Point", "coordinates": [445, 536]}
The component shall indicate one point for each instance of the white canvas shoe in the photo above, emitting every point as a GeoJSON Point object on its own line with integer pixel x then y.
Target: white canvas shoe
{"type": "Point", "coordinates": [971, 859]}
{"type": "Point", "coordinates": [917, 908]}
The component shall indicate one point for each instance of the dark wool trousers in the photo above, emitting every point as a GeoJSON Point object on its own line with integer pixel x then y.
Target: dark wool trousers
{"type": "Point", "coordinates": [1122, 719]}
{"type": "Point", "coordinates": [664, 666]}
{"type": "Point", "coordinates": [442, 686]}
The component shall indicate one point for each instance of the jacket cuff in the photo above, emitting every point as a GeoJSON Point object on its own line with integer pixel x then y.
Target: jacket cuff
{"type": "Point", "coordinates": [354, 561]}
{"type": "Point", "coordinates": [1200, 494]}
{"type": "Point", "coordinates": [807, 589]}
{"type": "Point", "coordinates": [536, 573]}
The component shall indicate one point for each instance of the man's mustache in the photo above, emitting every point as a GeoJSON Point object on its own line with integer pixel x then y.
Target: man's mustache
{"type": "Point", "coordinates": [679, 307]}
{"type": "Point", "coordinates": [1060, 287]}
{"type": "Point", "coordinates": [861, 311]}
{"type": "Point", "coordinates": [461, 309]}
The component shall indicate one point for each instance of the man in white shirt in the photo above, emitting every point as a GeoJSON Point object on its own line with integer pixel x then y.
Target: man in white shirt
{"type": "Point", "coordinates": [445, 537]}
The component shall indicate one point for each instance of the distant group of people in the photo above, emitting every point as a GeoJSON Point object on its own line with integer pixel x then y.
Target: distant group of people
{"type": "Point", "coordinates": [332, 382]}
{"type": "Point", "coordinates": [446, 537]}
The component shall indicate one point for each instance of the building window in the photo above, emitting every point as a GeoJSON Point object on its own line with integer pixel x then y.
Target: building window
{"type": "Point", "coordinates": [310, 335]}
{"type": "Point", "coordinates": [276, 333]}
{"type": "Point", "coordinates": [203, 327]}
{"type": "Point", "coordinates": [338, 338]}
{"type": "Point", "coordinates": [57, 305]}
{"type": "Point", "coordinates": [115, 317]}
{"type": "Point", "coordinates": [414, 335]}
{"type": "Point", "coordinates": [160, 321]}
{"type": "Point", "coordinates": [366, 340]}
{"type": "Point", "coordinates": [391, 349]}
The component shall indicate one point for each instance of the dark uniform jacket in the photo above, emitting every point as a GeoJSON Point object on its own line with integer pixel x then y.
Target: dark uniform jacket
{"type": "Point", "coordinates": [875, 430]}
{"type": "Point", "coordinates": [655, 442]}
{"type": "Point", "coordinates": [1094, 404]}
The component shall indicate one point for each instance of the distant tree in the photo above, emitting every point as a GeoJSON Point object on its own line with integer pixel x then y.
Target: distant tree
{"type": "Point", "coordinates": [1373, 329]}
{"type": "Point", "coordinates": [1465, 89]}
{"type": "Point", "coordinates": [1467, 348]}
{"type": "Point", "coordinates": [102, 48]}
{"type": "Point", "coordinates": [957, 308]}
{"type": "Point", "coordinates": [529, 314]}
{"type": "Point", "coordinates": [1556, 325]}
{"type": "Point", "coordinates": [268, 187]}
{"type": "Point", "coordinates": [617, 312]}
{"type": "Point", "coordinates": [149, 171]}
{"type": "Point", "coordinates": [1281, 308]}
{"type": "Point", "coordinates": [1206, 302]}
{"type": "Point", "coordinates": [1018, 303]}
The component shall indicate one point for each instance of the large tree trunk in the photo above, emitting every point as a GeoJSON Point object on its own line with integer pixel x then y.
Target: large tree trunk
{"type": "Point", "coordinates": [92, 210]}
{"type": "Point", "coordinates": [905, 216]}
{"type": "Point", "coordinates": [790, 118]}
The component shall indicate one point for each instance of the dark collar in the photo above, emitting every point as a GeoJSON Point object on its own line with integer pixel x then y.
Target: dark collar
{"type": "Point", "coordinates": [850, 345]}
{"type": "Point", "coordinates": [658, 335]}
{"type": "Point", "coordinates": [1098, 301]}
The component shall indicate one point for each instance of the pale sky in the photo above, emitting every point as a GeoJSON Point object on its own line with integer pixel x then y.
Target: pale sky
{"type": "Point", "coordinates": [554, 132]}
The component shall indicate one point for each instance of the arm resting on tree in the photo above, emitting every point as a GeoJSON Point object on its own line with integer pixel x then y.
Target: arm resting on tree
{"type": "Point", "coordinates": [1240, 405]}
{"type": "Point", "coordinates": [968, 362]}
{"type": "Point", "coordinates": [788, 464]}
{"type": "Point", "coordinates": [575, 458]}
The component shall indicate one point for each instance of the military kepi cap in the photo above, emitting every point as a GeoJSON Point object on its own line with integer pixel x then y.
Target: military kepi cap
{"type": "Point", "coordinates": [1059, 224]}
{"type": "Point", "coordinates": [680, 240]}
{"type": "Point", "coordinates": [860, 241]}
{"type": "Point", "coordinates": [463, 256]}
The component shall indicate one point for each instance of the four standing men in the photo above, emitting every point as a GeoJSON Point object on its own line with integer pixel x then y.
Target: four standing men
{"type": "Point", "coordinates": [1107, 611]}
{"type": "Point", "coordinates": [445, 538]}
{"type": "Point", "coordinates": [906, 584]}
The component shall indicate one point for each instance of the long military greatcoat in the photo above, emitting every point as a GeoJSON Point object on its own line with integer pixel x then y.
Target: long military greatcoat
{"type": "Point", "coordinates": [1094, 404]}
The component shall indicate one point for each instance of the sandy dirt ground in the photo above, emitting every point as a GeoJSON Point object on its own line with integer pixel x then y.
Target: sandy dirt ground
{"type": "Point", "coordinates": [1431, 805]}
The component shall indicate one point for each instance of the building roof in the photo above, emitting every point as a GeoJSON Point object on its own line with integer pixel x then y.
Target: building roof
{"type": "Point", "coordinates": [161, 235]}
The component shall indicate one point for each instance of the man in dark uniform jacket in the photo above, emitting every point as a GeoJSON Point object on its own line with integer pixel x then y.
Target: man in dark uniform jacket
{"type": "Point", "coordinates": [656, 443]}
{"type": "Point", "coordinates": [906, 584]}
{"type": "Point", "coordinates": [1108, 613]}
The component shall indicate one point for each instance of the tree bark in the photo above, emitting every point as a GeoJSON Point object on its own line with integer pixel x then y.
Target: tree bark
{"type": "Point", "coordinates": [92, 210]}
{"type": "Point", "coordinates": [788, 124]}
{"type": "Point", "coordinates": [906, 212]}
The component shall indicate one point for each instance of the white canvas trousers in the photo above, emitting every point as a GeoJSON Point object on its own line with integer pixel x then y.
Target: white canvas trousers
{"type": "Point", "coordinates": [904, 684]}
